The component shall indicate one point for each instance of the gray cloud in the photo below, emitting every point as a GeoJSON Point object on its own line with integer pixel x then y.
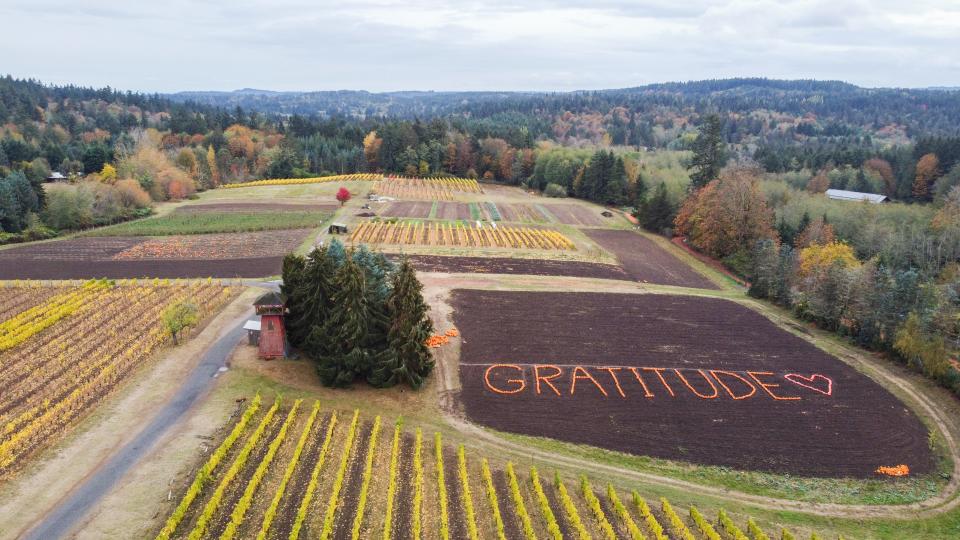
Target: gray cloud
{"type": "Point", "coordinates": [498, 44]}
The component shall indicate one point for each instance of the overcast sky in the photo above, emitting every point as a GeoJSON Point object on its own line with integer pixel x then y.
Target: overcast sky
{"type": "Point", "coordinates": [173, 45]}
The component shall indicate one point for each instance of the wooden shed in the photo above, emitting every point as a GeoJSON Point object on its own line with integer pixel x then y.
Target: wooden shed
{"type": "Point", "coordinates": [273, 335]}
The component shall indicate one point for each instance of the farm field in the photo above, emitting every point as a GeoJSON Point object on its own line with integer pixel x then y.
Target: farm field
{"type": "Point", "coordinates": [694, 379]}
{"type": "Point", "coordinates": [504, 265]}
{"type": "Point", "coordinates": [520, 212]}
{"type": "Point", "coordinates": [256, 207]}
{"type": "Point", "coordinates": [440, 189]}
{"type": "Point", "coordinates": [194, 222]}
{"type": "Point", "coordinates": [296, 470]}
{"type": "Point", "coordinates": [68, 346]}
{"type": "Point", "coordinates": [253, 254]}
{"type": "Point", "coordinates": [575, 214]}
{"type": "Point", "coordinates": [408, 209]}
{"type": "Point", "coordinates": [357, 177]}
{"type": "Point", "coordinates": [459, 234]}
{"type": "Point", "coordinates": [646, 261]}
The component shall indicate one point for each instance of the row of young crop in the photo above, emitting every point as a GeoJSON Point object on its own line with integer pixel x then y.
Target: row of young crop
{"type": "Point", "coordinates": [358, 177]}
{"type": "Point", "coordinates": [55, 375]}
{"type": "Point", "coordinates": [459, 234]}
{"type": "Point", "coordinates": [525, 504]}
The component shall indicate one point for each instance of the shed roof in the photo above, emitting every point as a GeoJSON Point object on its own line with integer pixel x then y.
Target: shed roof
{"type": "Point", "coordinates": [56, 176]}
{"type": "Point", "coordinates": [844, 195]}
{"type": "Point", "coordinates": [269, 299]}
{"type": "Point", "coordinates": [251, 325]}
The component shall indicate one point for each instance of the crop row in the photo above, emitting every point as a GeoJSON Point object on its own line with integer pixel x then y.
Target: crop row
{"type": "Point", "coordinates": [57, 374]}
{"type": "Point", "coordinates": [521, 506]}
{"type": "Point", "coordinates": [458, 234]}
{"type": "Point", "coordinates": [366, 177]}
{"type": "Point", "coordinates": [466, 185]}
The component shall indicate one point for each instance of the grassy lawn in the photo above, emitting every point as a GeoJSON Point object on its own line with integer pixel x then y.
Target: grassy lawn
{"type": "Point", "coordinates": [214, 222]}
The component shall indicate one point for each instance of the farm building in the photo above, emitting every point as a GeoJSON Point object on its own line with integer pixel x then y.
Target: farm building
{"type": "Point", "coordinates": [56, 177]}
{"type": "Point", "coordinates": [844, 195]}
{"type": "Point", "coordinates": [272, 335]}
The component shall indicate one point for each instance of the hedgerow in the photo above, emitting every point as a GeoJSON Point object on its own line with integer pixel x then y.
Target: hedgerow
{"type": "Point", "coordinates": [240, 509]}
{"type": "Point", "coordinates": [417, 485]}
{"type": "Point", "coordinates": [730, 527]}
{"type": "Point", "coordinates": [624, 514]}
{"type": "Point", "coordinates": [648, 517]}
{"type": "Point", "coordinates": [200, 528]}
{"type": "Point", "coordinates": [441, 488]}
{"type": "Point", "coordinates": [467, 498]}
{"type": "Point", "coordinates": [569, 508]}
{"type": "Point", "coordinates": [518, 503]}
{"type": "Point", "coordinates": [271, 511]}
{"type": "Point", "coordinates": [676, 522]}
{"type": "Point", "coordinates": [492, 498]}
{"type": "Point", "coordinates": [365, 483]}
{"type": "Point", "coordinates": [327, 529]}
{"type": "Point", "coordinates": [703, 525]}
{"type": "Point", "coordinates": [314, 478]}
{"type": "Point", "coordinates": [203, 475]}
{"type": "Point", "coordinates": [594, 503]}
{"type": "Point", "coordinates": [552, 526]}
{"type": "Point", "coordinates": [392, 484]}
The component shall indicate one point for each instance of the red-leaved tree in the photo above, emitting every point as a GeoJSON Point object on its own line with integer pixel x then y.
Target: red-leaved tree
{"type": "Point", "coordinates": [343, 195]}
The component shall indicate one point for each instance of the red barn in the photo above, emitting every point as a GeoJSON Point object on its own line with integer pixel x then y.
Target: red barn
{"type": "Point", "coordinates": [273, 337]}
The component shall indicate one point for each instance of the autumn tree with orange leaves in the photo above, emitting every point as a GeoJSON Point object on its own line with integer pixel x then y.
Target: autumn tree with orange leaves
{"type": "Point", "coordinates": [727, 216]}
{"type": "Point", "coordinates": [928, 168]}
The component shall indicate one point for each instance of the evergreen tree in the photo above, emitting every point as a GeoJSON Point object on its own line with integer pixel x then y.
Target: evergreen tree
{"type": "Point", "coordinates": [407, 358]}
{"type": "Point", "coordinates": [615, 191]}
{"type": "Point", "coordinates": [658, 212]}
{"type": "Point", "coordinates": [342, 346]}
{"type": "Point", "coordinates": [709, 153]}
{"type": "Point", "coordinates": [292, 274]}
{"type": "Point", "coordinates": [314, 292]}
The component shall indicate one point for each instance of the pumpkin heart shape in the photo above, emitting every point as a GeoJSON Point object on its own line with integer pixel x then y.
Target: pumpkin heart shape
{"type": "Point", "coordinates": [809, 382]}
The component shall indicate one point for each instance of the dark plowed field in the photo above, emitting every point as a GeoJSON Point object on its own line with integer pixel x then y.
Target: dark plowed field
{"type": "Point", "coordinates": [225, 255]}
{"type": "Point", "coordinates": [646, 261]}
{"type": "Point", "coordinates": [407, 209]}
{"type": "Point", "coordinates": [534, 267]}
{"type": "Point", "coordinates": [240, 208]}
{"type": "Point", "coordinates": [453, 210]}
{"type": "Point", "coordinates": [521, 212]}
{"type": "Point", "coordinates": [694, 379]}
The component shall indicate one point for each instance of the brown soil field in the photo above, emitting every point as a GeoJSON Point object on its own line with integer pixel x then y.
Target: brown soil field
{"type": "Point", "coordinates": [694, 379]}
{"type": "Point", "coordinates": [453, 210]}
{"type": "Point", "coordinates": [646, 261]}
{"type": "Point", "coordinates": [502, 265]}
{"type": "Point", "coordinates": [574, 214]}
{"type": "Point", "coordinates": [407, 209]}
{"type": "Point", "coordinates": [254, 254]}
{"type": "Point", "coordinates": [231, 207]}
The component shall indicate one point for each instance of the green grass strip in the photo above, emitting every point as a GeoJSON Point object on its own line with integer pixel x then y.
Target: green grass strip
{"type": "Point", "coordinates": [240, 509]}
{"type": "Point", "coordinates": [492, 498]}
{"type": "Point", "coordinates": [214, 222]}
{"type": "Point", "coordinates": [466, 496]}
{"type": "Point", "coordinates": [271, 512]}
{"type": "Point", "coordinates": [241, 460]}
{"type": "Point", "coordinates": [204, 474]}
{"type": "Point", "coordinates": [365, 484]}
{"type": "Point", "coordinates": [392, 485]}
{"type": "Point", "coordinates": [552, 526]}
{"type": "Point", "coordinates": [334, 499]}
{"type": "Point", "coordinates": [314, 480]}
{"type": "Point", "coordinates": [624, 514]}
{"type": "Point", "coordinates": [441, 488]}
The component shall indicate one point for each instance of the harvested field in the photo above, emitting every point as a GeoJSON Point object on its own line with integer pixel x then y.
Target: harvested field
{"type": "Point", "coordinates": [526, 213]}
{"type": "Point", "coordinates": [219, 255]}
{"type": "Point", "coordinates": [407, 209]}
{"type": "Point", "coordinates": [575, 214]}
{"type": "Point", "coordinates": [693, 379]}
{"type": "Point", "coordinates": [503, 265]}
{"type": "Point", "coordinates": [250, 207]}
{"type": "Point", "coordinates": [646, 261]}
{"type": "Point", "coordinates": [328, 508]}
{"type": "Point", "coordinates": [59, 358]}
{"type": "Point", "coordinates": [453, 211]}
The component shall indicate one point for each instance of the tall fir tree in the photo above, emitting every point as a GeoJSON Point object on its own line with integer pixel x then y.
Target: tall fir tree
{"type": "Point", "coordinates": [709, 153]}
{"type": "Point", "coordinates": [658, 212]}
{"type": "Point", "coordinates": [313, 295]}
{"type": "Point", "coordinates": [407, 358]}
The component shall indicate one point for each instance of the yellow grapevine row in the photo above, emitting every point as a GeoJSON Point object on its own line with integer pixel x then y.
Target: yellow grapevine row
{"type": "Point", "coordinates": [34, 320]}
{"type": "Point", "coordinates": [446, 183]}
{"type": "Point", "coordinates": [458, 234]}
{"type": "Point", "coordinates": [365, 177]}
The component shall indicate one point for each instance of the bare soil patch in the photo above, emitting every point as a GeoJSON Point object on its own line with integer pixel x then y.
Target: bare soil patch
{"type": "Point", "coordinates": [521, 212]}
{"type": "Point", "coordinates": [687, 378]}
{"type": "Point", "coordinates": [502, 265]}
{"type": "Point", "coordinates": [453, 210]}
{"type": "Point", "coordinates": [407, 209]}
{"type": "Point", "coordinates": [574, 214]}
{"type": "Point", "coordinates": [646, 261]}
